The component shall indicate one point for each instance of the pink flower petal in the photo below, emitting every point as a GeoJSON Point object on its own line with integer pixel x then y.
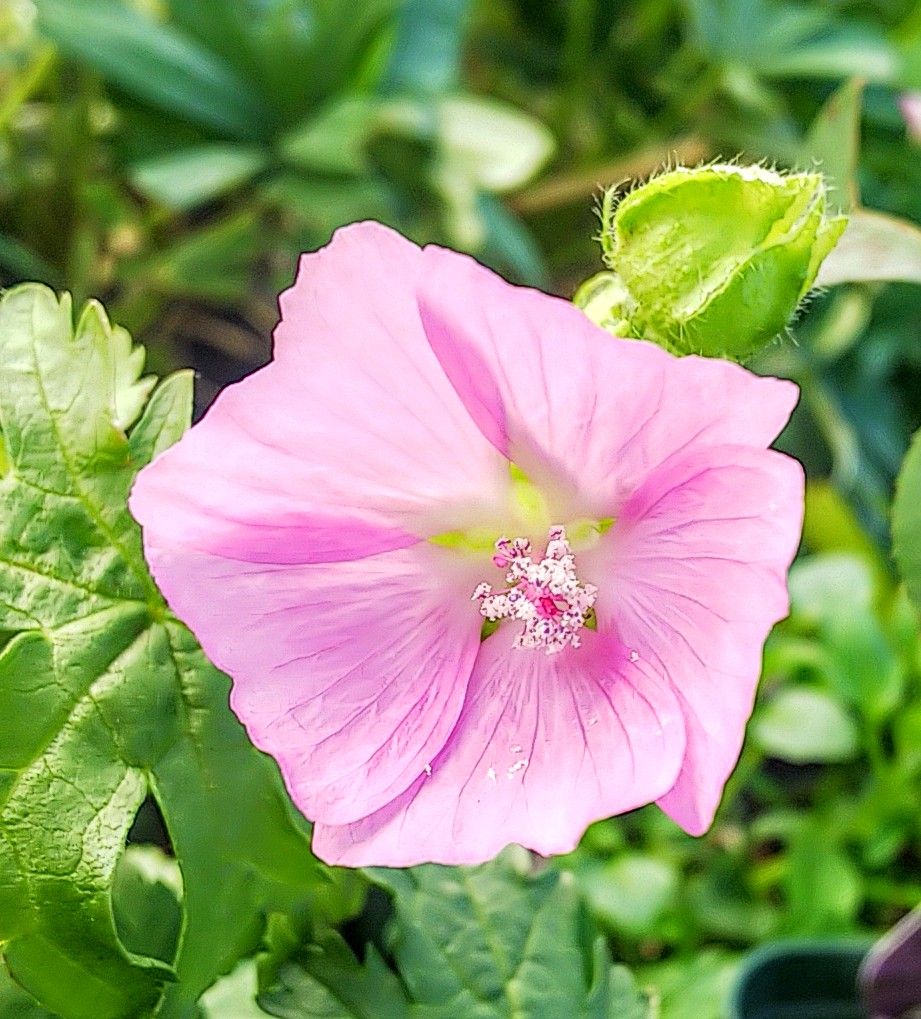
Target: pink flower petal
{"type": "Point", "coordinates": [699, 560]}
{"type": "Point", "coordinates": [910, 105]}
{"type": "Point", "coordinates": [565, 400]}
{"type": "Point", "coordinates": [545, 745]}
{"type": "Point", "coordinates": [288, 530]}
{"type": "Point", "coordinates": [352, 675]}
{"type": "Point", "coordinates": [350, 443]}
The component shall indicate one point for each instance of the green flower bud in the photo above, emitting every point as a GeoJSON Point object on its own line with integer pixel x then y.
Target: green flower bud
{"type": "Point", "coordinates": [712, 260]}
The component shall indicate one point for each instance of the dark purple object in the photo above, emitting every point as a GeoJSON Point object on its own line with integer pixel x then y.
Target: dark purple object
{"type": "Point", "coordinates": [890, 976]}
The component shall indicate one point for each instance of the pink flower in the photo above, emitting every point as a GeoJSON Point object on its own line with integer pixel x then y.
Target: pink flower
{"type": "Point", "coordinates": [910, 105]}
{"type": "Point", "coordinates": [435, 455]}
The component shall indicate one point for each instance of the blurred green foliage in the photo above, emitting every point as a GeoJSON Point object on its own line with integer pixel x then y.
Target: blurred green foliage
{"type": "Point", "coordinates": [819, 833]}
{"type": "Point", "coordinates": [161, 155]}
{"type": "Point", "coordinates": [173, 157]}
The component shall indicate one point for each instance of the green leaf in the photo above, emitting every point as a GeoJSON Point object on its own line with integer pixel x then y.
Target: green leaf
{"type": "Point", "coordinates": [165, 417]}
{"type": "Point", "coordinates": [802, 724]}
{"type": "Point", "coordinates": [214, 263]}
{"type": "Point", "coordinates": [843, 52]}
{"type": "Point", "coordinates": [325, 979]}
{"type": "Point", "coordinates": [191, 177]}
{"type": "Point", "coordinates": [626, 1000]}
{"type": "Point", "coordinates": [317, 205]}
{"type": "Point", "coordinates": [720, 901]}
{"type": "Point", "coordinates": [129, 389]}
{"type": "Point", "coordinates": [823, 587]}
{"type": "Point", "coordinates": [334, 140]}
{"type": "Point", "coordinates": [831, 525]}
{"type": "Point", "coordinates": [459, 195]}
{"type": "Point", "coordinates": [864, 668]}
{"type": "Point", "coordinates": [780, 40]}
{"type": "Point", "coordinates": [510, 246]}
{"type": "Point", "coordinates": [906, 521]}
{"type": "Point", "coordinates": [15, 1003]}
{"type": "Point", "coordinates": [874, 246]}
{"type": "Point", "coordinates": [833, 145]}
{"type": "Point", "coordinates": [426, 53]}
{"type": "Point", "coordinates": [751, 32]}
{"type": "Point", "coordinates": [494, 145]}
{"type": "Point", "coordinates": [691, 988]}
{"type": "Point", "coordinates": [234, 996]}
{"type": "Point", "coordinates": [20, 85]}
{"type": "Point", "coordinates": [823, 886]}
{"type": "Point", "coordinates": [631, 892]}
{"type": "Point", "coordinates": [105, 697]}
{"type": "Point", "coordinates": [147, 902]}
{"type": "Point", "coordinates": [906, 735]}
{"type": "Point", "coordinates": [299, 54]}
{"type": "Point", "coordinates": [909, 43]}
{"type": "Point", "coordinates": [154, 63]}
{"type": "Point", "coordinates": [833, 594]}
{"type": "Point", "coordinates": [492, 942]}
{"type": "Point", "coordinates": [23, 263]}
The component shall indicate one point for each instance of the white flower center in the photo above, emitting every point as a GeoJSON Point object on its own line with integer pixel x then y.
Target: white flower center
{"type": "Point", "coordinates": [546, 595]}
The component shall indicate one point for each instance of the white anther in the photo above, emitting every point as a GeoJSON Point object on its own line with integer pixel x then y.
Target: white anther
{"type": "Point", "coordinates": [546, 595]}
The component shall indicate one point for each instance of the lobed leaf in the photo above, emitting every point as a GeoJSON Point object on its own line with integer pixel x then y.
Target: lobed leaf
{"type": "Point", "coordinates": [325, 979]}
{"type": "Point", "coordinates": [487, 942]}
{"type": "Point", "coordinates": [105, 698]}
{"type": "Point", "coordinates": [492, 943]}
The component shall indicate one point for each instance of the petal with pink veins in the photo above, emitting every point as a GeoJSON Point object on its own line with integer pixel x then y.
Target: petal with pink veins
{"type": "Point", "coordinates": [351, 442]}
{"type": "Point", "coordinates": [352, 675]}
{"type": "Point", "coordinates": [545, 745]}
{"type": "Point", "coordinates": [287, 529]}
{"type": "Point", "coordinates": [698, 563]}
{"type": "Point", "coordinates": [572, 405]}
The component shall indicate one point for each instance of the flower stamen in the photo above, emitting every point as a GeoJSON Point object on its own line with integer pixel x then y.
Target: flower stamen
{"type": "Point", "coordinates": [546, 595]}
